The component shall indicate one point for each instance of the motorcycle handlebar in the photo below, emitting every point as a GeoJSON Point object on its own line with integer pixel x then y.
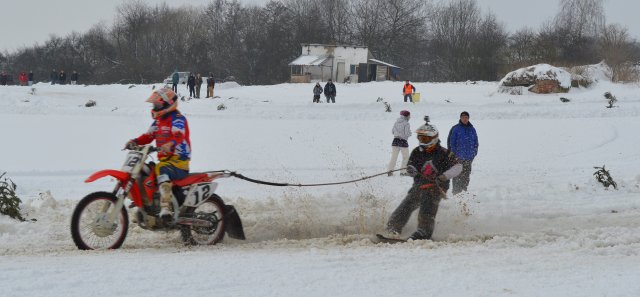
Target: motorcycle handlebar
{"type": "Point", "coordinates": [134, 147]}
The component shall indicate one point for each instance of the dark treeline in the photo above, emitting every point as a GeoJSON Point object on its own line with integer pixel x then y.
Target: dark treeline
{"type": "Point", "coordinates": [445, 41]}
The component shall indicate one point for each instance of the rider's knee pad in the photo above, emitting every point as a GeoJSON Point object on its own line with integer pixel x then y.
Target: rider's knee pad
{"type": "Point", "coordinates": [163, 178]}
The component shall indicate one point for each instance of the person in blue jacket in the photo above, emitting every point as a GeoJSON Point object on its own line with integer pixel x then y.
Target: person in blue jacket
{"type": "Point", "coordinates": [463, 142]}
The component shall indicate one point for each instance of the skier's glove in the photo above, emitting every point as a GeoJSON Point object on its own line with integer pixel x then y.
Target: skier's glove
{"type": "Point", "coordinates": [441, 180]}
{"type": "Point", "coordinates": [412, 171]}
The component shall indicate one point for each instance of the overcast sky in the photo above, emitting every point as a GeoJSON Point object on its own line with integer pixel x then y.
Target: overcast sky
{"type": "Point", "coordinates": [26, 22]}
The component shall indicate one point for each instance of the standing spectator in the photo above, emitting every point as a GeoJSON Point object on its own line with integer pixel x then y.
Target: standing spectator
{"type": "Point", "coordinates": [431, 166]}
{"type": "Point", "coordinates": [62, 78]}
{"type": "Point", "coordinates": [175, 78]}
{"type": "Point", "coordinates": [74, 78]}
{"type": "Point", "coordinates": [317, 91]}
{"type": "Point", "coordinates": [330, 92]}
{"type": "Point", "coordinates": [401, 132]}
{"type": "Point", "coordinates": [53, 76]}
{"type": "Point", "coordinates": [3, 78]}
{"type": "Point", "coordinates": [198, 85]}
{"type": "Point", "coordinates": [211, 83]}
{"type": "Point", "coordinates": [408, 90]}
{"type": "Point", "coordinates": [30, 78]}
{"type": "Point", "coordinates": [463, 142]}
{"type": "Point", "coordinates": [191, 82]}
{"type": "Point", "coordinates": [22, 78]}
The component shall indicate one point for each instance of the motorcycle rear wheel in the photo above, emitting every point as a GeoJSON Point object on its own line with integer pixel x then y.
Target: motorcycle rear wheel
{"type": "Point", "coordinates": [88, 233]}
{"type": "Point", "coordinates": [212, 210]}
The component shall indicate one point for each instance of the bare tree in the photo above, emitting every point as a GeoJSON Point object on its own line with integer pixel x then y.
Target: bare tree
{"type": "Point", "coordinates": [453, 27]}
{"type": "Point", "coordinates": [308, 20]}
{"type": "Point", "coordinates": [581, 18]}
{"type": "Point", "coordinates": [615, 48]}
{"type": "Point", "coordinates": [489, 43]}
{"type": "Point", "coordinates": [577, 27]}
{"type": "Point", "coordinates": [336, 15]}
{"type": "Point", "coordinates": [521, 46]}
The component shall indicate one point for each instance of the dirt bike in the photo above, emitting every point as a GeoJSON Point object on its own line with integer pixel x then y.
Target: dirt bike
{"type": "Point", "coordinates": [100, 220]}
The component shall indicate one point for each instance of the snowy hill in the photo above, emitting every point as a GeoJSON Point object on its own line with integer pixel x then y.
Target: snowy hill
{"type": "Point", "coordinates": [534, 222]}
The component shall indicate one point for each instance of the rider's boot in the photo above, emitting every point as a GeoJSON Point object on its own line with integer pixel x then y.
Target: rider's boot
{"type": "Point", "coordinates": [166, 209]}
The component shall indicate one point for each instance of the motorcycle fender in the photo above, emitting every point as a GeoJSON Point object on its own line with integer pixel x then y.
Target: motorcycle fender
{"type": "Point", "coordinates": [117, 174]}
{"type": "Point", "coordinates": [233, 223]}
{"type": "Point", "coordinates": [121, 176]}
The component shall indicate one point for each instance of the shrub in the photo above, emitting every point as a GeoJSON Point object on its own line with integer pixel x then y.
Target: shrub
{"type": "Point", "coordinates": [612, 99]}
{"type": "Point", "coordinates": [387, 107]}
{"type": "Point", "coordinates": [602, 176]}
{"type": "Point", "coordinates": [9, 202]}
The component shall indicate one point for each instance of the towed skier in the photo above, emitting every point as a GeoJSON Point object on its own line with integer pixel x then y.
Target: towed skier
{"type": "Point", "coordinates": [431, 166]}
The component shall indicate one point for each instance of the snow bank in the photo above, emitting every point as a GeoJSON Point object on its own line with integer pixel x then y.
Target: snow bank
{"type": "Point", "coordinates": [531, 75]}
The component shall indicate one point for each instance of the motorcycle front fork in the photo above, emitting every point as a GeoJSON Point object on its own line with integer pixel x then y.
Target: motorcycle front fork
{"type": "Point", "coordinates": [122, 195]}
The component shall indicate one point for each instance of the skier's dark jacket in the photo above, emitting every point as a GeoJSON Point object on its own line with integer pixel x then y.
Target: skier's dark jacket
{"type": "Point", "coordinates": [191, 81]}
{"type": "Point", "coordinates": [317, 90]}
{"type": "Point", "coordinates": [441, 159]}
{"type": "Point", "coordinates": [463, 141]}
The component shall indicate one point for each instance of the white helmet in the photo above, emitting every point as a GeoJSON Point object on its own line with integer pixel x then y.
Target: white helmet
{"type": "Point", "coordinates": [427, 135]}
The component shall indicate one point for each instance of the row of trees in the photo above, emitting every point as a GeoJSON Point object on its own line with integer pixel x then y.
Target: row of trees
{"type": "Point", "coordinates": [445, 41]}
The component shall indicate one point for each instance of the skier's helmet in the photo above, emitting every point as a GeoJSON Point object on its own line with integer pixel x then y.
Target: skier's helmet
{"type": "Point", "coordinates": [427, 136]}
{"type": "Point", "coordinates": [405, 113]}
{"type": "Point", "coordinates": [164, 100]}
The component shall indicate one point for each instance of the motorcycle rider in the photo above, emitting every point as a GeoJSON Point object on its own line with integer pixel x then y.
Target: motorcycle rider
{"type": "Point", "coordinates": [171, 133]}
{"type": "Point", "coordinates": [431, 166]}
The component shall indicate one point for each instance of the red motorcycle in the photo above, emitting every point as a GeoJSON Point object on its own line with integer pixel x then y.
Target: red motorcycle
{"type": "Point", "coordinates": [100, 220]}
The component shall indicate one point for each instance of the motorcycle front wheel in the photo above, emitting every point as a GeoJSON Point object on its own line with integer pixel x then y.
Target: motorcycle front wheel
{"type": "Point", "coordinates": [90, 228]}
{"type": "Point", "coordinates": [211, 210]}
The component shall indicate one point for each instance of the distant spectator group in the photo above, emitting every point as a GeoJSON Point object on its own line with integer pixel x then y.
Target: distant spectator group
{"type": "Point", "coordinates": [24, 78]}
{"type": "Point", "coordinates": [61, 77]}
{"type": "Point", "coordinates": [194, 84]}
{"type": "Point", "coordinates": [329, 91]}
{"type": "Point", "coordinates": [27, 78]}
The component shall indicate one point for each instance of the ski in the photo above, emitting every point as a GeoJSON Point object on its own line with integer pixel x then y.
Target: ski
{"type": "Point", "coordinates": [383, 239]}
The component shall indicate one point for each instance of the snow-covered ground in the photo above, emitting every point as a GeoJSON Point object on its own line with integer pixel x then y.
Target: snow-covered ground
{"type": "Point", "coordinates": [534, 223]}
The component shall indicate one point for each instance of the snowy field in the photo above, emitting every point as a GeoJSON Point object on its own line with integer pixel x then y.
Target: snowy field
{"type": "Point", "coordinates": [534, 223]}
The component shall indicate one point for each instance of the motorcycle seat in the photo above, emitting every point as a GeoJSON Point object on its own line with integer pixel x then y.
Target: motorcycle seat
{"type": "Point", "coordinates": [192, 178]}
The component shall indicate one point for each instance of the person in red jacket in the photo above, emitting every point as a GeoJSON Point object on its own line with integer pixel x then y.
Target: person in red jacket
{"type": "Point", "coordinates": [23, 78]}
{"type": "Point", "coordinates": [171, 133]}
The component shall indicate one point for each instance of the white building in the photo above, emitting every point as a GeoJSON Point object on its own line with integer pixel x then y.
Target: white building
{"type": "Point", "coordinates": [341, 63]}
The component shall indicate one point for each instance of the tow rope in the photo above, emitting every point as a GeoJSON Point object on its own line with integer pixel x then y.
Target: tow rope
{"type": "Point", "coordinates": [240, 176]}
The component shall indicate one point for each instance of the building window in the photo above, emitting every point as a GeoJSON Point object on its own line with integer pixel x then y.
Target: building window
{"type": "Point", "coordinates": [296, 69]}
{"type": "Point", "coordinates": [354, 69]}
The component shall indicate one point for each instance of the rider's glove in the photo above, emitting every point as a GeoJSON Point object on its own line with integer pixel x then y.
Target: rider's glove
{"type": "Point", "coordinates": [130, 144]}
{"type": "Point", "coordinates": [167, 148]}
{"type": "Point", "coordinates": [412, 171]}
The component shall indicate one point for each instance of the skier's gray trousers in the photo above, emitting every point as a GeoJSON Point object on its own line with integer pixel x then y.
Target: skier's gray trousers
{"type": "Point", "coordinates": [427, 200]}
